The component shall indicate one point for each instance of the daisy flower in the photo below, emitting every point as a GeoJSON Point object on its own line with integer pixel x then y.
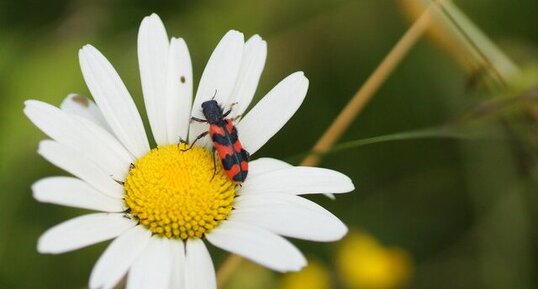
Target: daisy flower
{"type": "Point", "coordinates": [162, 205]}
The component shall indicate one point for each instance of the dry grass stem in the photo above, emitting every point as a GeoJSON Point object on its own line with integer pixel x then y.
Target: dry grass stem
{"type": "Point", "coordinates": [350, 112]}
{"type": "Point", "coordinates": [227, 268]}
{"type": "Point", "coordinates": [369, 88]}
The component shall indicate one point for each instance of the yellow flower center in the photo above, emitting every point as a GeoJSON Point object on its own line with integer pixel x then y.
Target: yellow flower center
{"type": "Point", "coordinates": [179, 193]}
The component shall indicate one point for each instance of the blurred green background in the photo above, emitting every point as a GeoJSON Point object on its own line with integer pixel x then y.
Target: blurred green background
{"type": "Point", "coordinates": [463, 210]}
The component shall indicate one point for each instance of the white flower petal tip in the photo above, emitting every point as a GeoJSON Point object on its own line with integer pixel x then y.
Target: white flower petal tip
{"type": "Point", "coordinates": [274, 110]}
{"type": "Point", "coordinates": [179, 86]}
{"type": "Point", "coordinates": [75, 193]}
{"type": "Point", "coordinates": [166, 74]}
{"type": "Point", "coordinates": [73, 162]}
{"type": "Point", "coordinates": [220, 74]}
{"type": "Point", "coordinates": [252, 64]}
{"type": "Point", "coordinates": [153, 17]}
{"type": "Point", "coordinates": [114, 100]}
{"type": "Point", "coordinates": [256, 39]}
{"type": "Point", "coordinates": [82, 106]}
{"type": "Point", "coordinates": [82, 231]}
{"type": "Point", "coordinates": [290, 216]}
{"type": "Point", "coordinates": [298, 181]}
{"type": "Point", "coordinates": [82, 135]}
{"type": "Point", "coordinates": [261, 246]}
{"type": "Point", "coordinates": [153, 47]}
{"type": "Point", "coordinates": [118, 258]}
{"type": "Point", "coordinates": [219, 77]}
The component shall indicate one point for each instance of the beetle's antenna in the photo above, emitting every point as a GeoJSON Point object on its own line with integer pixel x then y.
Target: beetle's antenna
{"type": "Point", "coordinates": [214, 95]}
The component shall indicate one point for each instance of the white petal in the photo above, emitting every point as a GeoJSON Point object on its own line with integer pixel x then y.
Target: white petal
{"type": "Point", "coordinates": [252, 64]}
{"type": "Point", "coordinates": [82, 135]}
{"type": "Point", "coordinates": [152, 268]}
{"type": "Point", "coordinates": [258, 245]}
{"type": "Point", "coordinates": [299, 180]}
{"type": "Point", "coordinates": [219, 76]}
{"type": "Point", "coordinates": [220, 73]}
{"type": "Point", "coordinates": [199, 270]}
{"type": "Point", "coordinates": [73, 192]}
{"type": "Point", "coordinates": [82, 106]}
{"type": "Point", "coordinates": [272, 112]}
{"type": "Point", "coordinates": [114, 100]}
{"type": "Point", "coordinates": [82, 231]}
{"type": "Point", "coordinates": [265, 165]}
{"type": "Point", "coordinates": [152, 58]}
{"type": "Point", "coordinates": [117, 159]}
{"type": "Point", "coordinates": [73, 162]}
{"type": "Point", "coordinates": [118, 257]}
{"type": "Point", "coordinates": [177, 253]}
{"type": "Point", "coordinates": [178, 91]}
{"type": "Point", "coordinates": [288, 215]}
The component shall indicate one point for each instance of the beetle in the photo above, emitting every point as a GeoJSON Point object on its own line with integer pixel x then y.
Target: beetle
{"type": "Point", "coordinates": [225, 140]}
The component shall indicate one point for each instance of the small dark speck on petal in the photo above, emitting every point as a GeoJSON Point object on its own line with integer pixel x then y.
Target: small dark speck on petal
{"type": "Point", "coordinates": [81, 100]}
{"type": "Point", "coordinates": [182, 79]}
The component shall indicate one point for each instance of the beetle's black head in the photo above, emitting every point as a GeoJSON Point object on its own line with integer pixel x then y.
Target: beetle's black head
{"type": "Point", "coordinates": [212, 111]}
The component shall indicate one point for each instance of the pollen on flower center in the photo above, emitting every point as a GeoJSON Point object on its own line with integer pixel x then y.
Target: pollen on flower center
{"type": "Point", "coordinates": [179, 193]}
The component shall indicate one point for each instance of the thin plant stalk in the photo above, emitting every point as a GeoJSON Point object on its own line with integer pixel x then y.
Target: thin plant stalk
{"type": "Point", "coordinates": [350, 112]}
{"type": "Point", "coordinates": [369, 88]}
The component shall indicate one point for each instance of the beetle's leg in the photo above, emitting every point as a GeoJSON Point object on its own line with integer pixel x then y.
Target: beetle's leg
{"type": "Point", "coordinates": [214, 165]}
{"type": "Point", "coordinates": [230, 110]}
{"type": "Point", "coordinates": [117, 181]}
{"type": "Point", "coordinates": [197, 138]}
{"type": "Point", "coordinates": [181, 141]}
{"type": "Point", "coordinates": [198, 119]}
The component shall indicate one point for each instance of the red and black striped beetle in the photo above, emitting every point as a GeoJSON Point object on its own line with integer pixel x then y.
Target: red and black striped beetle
{"type": "Point", "coordinates": [223, 133]}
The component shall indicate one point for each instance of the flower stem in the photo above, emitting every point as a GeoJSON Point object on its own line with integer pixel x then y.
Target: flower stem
{"type": "Point", "coordinates": [350, 111]}
{"type": "Point", "coordinates": [227, 268]}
